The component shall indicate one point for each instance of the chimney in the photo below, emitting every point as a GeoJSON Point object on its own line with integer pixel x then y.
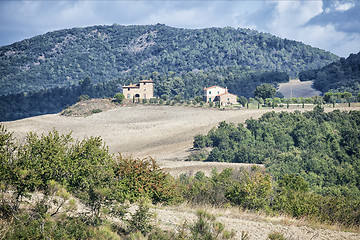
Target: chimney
{"type": "Point", "coordinates": [226, 89]}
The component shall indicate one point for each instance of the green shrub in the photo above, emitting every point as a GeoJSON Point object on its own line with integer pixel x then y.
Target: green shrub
{"type": "Point", "coordinates": [119, 97]}
{"type": "Point", "coordinates": [276, 236]}
{"type": "Point", "coordinates": [140, 221]}
{"type": "Point", "coordinates": [96, 110]}
{"type": "Point", "coordinates": [83, 97]}
{"type": "Point", "coordinates": [205, 227]}
{"type": "Point", "coordinates": [143, 178]}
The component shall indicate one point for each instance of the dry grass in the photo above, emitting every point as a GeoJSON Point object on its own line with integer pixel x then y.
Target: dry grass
{"type": "Point", "coordinates": [258, 225]}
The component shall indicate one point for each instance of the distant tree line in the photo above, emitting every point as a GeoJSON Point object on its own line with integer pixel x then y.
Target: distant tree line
{"type": "Point", "coordinates": [22, 105]}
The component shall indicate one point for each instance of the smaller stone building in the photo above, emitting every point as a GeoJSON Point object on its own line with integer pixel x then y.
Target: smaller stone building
{"type": "Point", "coordinates": [226, 99]}
{"type": "Point", "coordinates": [220, 94]}
{"type": "Point", "coordinates": [143, 90]}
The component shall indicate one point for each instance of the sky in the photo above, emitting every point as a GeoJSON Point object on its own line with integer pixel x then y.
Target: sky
{"type": "Point", "coordinates": [329, 24]}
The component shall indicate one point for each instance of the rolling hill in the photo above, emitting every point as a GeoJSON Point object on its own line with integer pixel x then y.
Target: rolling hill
{"type": "Point", "coordinates": [105, 53]}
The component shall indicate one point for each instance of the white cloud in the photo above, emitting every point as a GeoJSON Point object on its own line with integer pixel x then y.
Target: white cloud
{"type": "Point", "coordinates": [290, 15]}
{"type": "Point", "coordinates": [342, 7]}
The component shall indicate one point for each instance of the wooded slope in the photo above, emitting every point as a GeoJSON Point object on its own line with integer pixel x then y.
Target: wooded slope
{"type": "Point", "coordinates": [340, 76]}
{"type": "Point", "coordinates": [105, 53]}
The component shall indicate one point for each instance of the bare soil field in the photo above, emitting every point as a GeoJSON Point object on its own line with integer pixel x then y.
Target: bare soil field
{"type": "Point", "coordinates": [162, 132]}
{"type": "Point", "coordinates": [295, 88]}
{"type": "Point", "coordinates": [166, 133]}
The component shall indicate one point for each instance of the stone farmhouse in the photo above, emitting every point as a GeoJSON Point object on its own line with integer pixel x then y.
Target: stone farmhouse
{"type": "Point", "coordinates": [143, 90]}
{"type": "Point", "coordinates": [219, 94]}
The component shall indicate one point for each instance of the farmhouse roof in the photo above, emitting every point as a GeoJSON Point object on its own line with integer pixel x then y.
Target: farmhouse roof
{"type": "Point", "coordinates": [213, 87]}
{"type": "Point", "coordinates": [132, 86]}
{"type": "Point", "coordinates": [225, 94]}
{"type": "Point", "coordinates": [146, 81]}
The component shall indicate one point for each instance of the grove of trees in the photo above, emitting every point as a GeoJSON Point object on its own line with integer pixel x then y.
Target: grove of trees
{"type": "Point", "coordinates": [323, 148]}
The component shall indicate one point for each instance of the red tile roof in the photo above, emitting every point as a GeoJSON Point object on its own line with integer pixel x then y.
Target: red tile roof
{"type": "Point", "coordinates": [225, 93]}
{"type": "Point", "coordinates": [213, 87]}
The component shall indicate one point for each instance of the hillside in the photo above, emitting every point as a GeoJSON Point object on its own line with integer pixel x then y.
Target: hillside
{"type": "Point", "coordinates": [104, 53]}
{"type": "Point", "coordinates": [340, 76]}
{"type": "Point", "coordinates": [43, 172]}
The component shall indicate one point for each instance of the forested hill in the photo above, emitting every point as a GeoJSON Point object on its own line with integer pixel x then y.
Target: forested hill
{"type": "Point", "coordinates": [105, 53]}
{"type": "Point", "coordinates": [340, 76]}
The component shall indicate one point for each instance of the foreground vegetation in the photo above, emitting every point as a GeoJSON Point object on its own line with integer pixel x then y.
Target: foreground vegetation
{"type": "Point", "coordinates": [43, 179]}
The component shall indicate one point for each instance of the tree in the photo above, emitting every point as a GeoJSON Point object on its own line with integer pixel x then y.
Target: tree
{"type": "Point", "coordinates": [328, 97]}
{"type": "Point", "coordinates": [119, 97]}
{"type": "Point", "coordinates": [264, 91]}
{"type": "Point", "coordinates": [85, 83]}
{"type": "Point", "coordinates": [242, 100]}
{"type": "Point", "coordinates": [83, 97]}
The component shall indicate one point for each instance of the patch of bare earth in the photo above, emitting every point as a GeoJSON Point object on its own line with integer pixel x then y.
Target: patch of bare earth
{"type": "Point", "coordinates": [295, 88]}
{"type": "Point", "coordinates": [166, 133]}
{"type": "Point", "coordinates": [89, 107]}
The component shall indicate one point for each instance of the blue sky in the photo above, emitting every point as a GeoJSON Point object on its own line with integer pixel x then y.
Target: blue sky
{"type": "Point", "coordinates": [329, 24]}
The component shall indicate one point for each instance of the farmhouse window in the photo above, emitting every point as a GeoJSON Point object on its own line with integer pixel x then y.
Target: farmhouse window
{"type": "Point", "coordinates": [209, 92]}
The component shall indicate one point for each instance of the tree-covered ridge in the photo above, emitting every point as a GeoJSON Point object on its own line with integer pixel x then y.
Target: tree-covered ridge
{"type": "Point", "coordinates": [323, 148]}
{"type": "Point", "coordinates": [339, 76]}
{"type": "Point", "coordinates": [62, 58]}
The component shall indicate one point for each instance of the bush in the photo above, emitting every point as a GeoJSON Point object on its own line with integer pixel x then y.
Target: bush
{"type": "Point", "coordinates": [138, 178]}
{"type": "Point", "coordinates": [96, 110]}
{"type": "Point", "coordinates": [141, 219]}
{"type": "Point", "coordinates": [206, 227]}
{"type": "Point", "coordinates": [276, 236]}
{"type": "Point", "coordinates": [119, 97]}
{"type": "Point", "coordinates": [83, 97]}
{"type": "Point", "coordinates": [200, 141]}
